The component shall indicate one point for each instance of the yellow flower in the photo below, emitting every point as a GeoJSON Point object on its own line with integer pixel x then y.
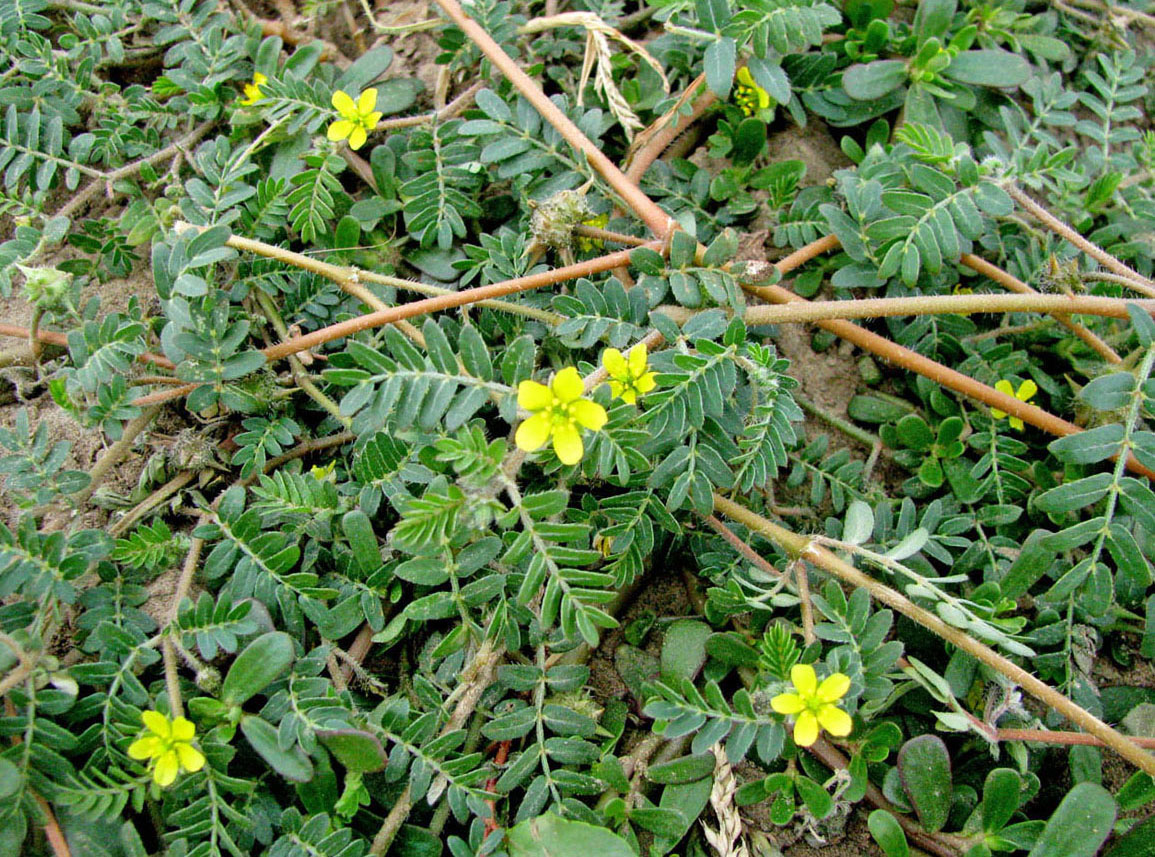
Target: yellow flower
{"type": "Point", "coordinates": [558, 411]}
{"type": "Point", "coordinates": [748, 95]}
{"type": "Point", "coordinates": [628, 376]}
{"type": "Point", "coordinates": [169, 747]}
{"type": "Point", "coordinates": [1025, 393]}
{"type": "Point", "coordinates": [253, 92]}
{"type": "Point", "coordinates": [357, 118]}
{"type": "Point", "coordinates": [322, 474]}
{"type": "Point", "coordinates": [813, 703]}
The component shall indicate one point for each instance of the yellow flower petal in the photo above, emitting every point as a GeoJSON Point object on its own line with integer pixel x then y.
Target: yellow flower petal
{"type": "Point", "coordinates": [167, 767]}
{"type": "Point", "coordinates": [833, 687]}
{"type": "Point", "coordinates": [340, 129]}
{"type": "Point", "coordinates": [628, 395]}
{"type": "Point", "coordinates": [191, 759]}
{"type": "Point", "coordinates": [638, 359]}
{"type": "Point", "coordinates": [647, 382]}
{"type": "Point", "coordinates": [157, 724]}
{"type": "Point", "coordinates": [145, 748]}
{"type": "Point", "coordinates": [533, 432]}
{"type": "Point", "coordinates": [615, 363]}
{"type": "Point", "coordinates": [1017, 424]}
{"type": "Point", "coordinates": [367, 102]}
{"type": "Point", "coordinates": [567, 443]}
{"type": "Point", "coordinates": [745, 78]}
{"type": "Point", "coordinates": [567, 385]}
{"type": "Point", "coordinates": [372, 119]}
{"type": "Point", "coordinates": [763, 97]}
{"type": "Point", "coordinates": [344, 104]}
{"type": "Point", "coordinates": [589, 414]}
{"type": "Point", "coordinates": [1005, 386]}
{"type": "Point", "coordinates": [533, 396]}
{"type": "Point", "coordinates": [787, 703]}
{"type": "Point", "coordinates": [259, 78]}
{"type": "Point", "coordinates": [618, 390]}
{"type": "Point", "coordinates": [806, 729]}
{"type": "Point", "coordinates": [835, 721]}
{"type": "Point", "coordinates": [357, 137]}
{"type": "Point", "coordinates": [183, 729]}
{"type": "Point", "coordinates": [804, 680]}
{"type": "Point", "coordinates": [1027, 391]}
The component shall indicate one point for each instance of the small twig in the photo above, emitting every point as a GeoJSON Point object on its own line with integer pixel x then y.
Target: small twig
{"type": "Point", "coordinates": [802, 583]}
{"type": "Point", "coordinates": [23, 669]}
{"type": "Point", "coordinates": [52, 831]}
{"type": "Point", "coordinates": [657, 220]}
{"type": "Point", "coordinates": [109, 179]}
{"type": "Point", "coordinates": [1014, 284]}
{"type": "Point", "coordinates": [475, 678]}
{"type": "Point", "coordinates": [1137, 280]}
{"type": "Point", "coordinates": [586, 231]}
{"type": "Point", "coordinates": [152, 501]}
{"type": "Point", "coordinates": [52, 337]}
{"type": "Point", "coordinates": [116, 453]}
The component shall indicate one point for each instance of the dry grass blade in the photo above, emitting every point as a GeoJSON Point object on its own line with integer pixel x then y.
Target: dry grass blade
{"type": "Point", "coordinates": [599, 60]}
{"type": "Point", "coordinates": [727, 839]}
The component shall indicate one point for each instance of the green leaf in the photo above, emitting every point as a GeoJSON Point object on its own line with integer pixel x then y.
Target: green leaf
{"type": "Point", "coordinates": [355, 749]}
{"type": "Point", "coordinates": [684, 649]}
{"type": "Point", "coordinates": [932, 19]}
{"type": "Point", "coordinates": [888, 833]}
{"type": "Point", "coordinates": [553, 836]}
{"type": "Point", "coordinates": [1075, 495]}
{"type": "Point", "coordinates": [1136, 842]}
{"type": "Point", "coordinates": [1090, 446]}
{"type": "Point", "coordinates": [1109, 392]}
{"type": "Point", "coordinates": [263, 661]}
{"type": "Point", "coordinates": [687, 769]}
{"type": "Point", "coordinates": [1000, 798]}
{"type": "Point", "coordinates": [368, 67]}
{"type": "Point", "coordinates": [291, 764]}
{"type": "Point", "coordinates": [1080, 825]}
{"type": "Point", "coordinates": [719, 63]}
{"type": "Point", "coordinates": [874, 79]}
{"type": "Point", "coordinates": [989, 68]}
{"type": "Point", "coordinates": [924, 766]}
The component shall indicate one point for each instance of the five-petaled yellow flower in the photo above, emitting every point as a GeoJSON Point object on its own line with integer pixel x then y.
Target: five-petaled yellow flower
{"type": "Point", "coordinates": [813, 704]}
{"type": "Point", "coordinates": [1025, 393]}
{"type": "Point", "coordinates": [628, 376]}
{"type": "Point", "coordinates": [358, 118]}
{"type": "Point", "coordinates": [748, 95]}
{"type": "Point", "coordinates": [558, 412]}
{"type": "Point", "coordinates": [253, 92]}
{"type": "Point", "coordinates": [168, 747]}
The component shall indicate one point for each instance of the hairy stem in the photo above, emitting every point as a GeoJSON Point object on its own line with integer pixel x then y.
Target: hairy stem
{"type": "Point", "coordinates": [801, 547]}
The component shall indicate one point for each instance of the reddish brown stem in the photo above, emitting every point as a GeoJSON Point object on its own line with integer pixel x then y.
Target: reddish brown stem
{"type": "Point", "coordinates": [1046, 736]}
{"type": "Point", "coordinates": [1014, 284]}
{"type": "Point", "coordinates": [664, 131]}
{"type": "Point", "coordinates": [657, 220]}
{"type": "Point", "coordinates": [444, 302]}
{"type": "Point", "coordinates": [53, 337]}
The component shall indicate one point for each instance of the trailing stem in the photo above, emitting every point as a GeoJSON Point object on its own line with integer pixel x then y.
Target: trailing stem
{"type": "Point", "coordinates": [801, 547]}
